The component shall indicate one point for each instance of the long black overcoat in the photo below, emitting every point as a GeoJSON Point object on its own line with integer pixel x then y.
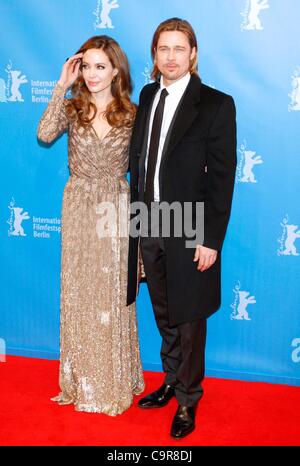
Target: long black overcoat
{"type": "Point", "coordinates": [198, 164]}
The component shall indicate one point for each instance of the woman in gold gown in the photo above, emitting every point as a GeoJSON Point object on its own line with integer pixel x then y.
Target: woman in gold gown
{"type": "Point", "coordinates": [100, 368]}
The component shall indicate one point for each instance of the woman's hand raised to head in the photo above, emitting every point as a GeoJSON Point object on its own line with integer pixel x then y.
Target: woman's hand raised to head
{"type": "Point", "coordinates": [70, 71]}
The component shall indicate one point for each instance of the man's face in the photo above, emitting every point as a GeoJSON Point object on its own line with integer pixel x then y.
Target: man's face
{"type": "Point", "coordinates": [173, 55]}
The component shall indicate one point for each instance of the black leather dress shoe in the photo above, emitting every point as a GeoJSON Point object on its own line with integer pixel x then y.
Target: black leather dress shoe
{"type": "Point", "coordinates": [183, 422]}
{"type": "Point", "coordinates": [157, 399]}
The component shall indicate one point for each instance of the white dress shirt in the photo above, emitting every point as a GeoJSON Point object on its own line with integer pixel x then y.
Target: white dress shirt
{"type": "Point", "coordinates": [175, 92]}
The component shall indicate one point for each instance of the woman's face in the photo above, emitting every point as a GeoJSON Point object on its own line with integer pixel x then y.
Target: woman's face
{"type": "Point", "coordinates": [97, 70]}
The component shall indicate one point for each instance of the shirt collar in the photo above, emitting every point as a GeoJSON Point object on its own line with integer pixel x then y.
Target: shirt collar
{"type": "Point", "coordinates": [178, 87]}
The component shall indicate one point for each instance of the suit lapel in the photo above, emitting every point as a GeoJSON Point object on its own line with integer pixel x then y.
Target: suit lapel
{"type": "Point", "coordinates": [145, 128]}
{"type": "Point", "coordinates": [147, 107]}
{"type": "Point", "coordinates": [183, 118]}
{"type": "Point", "coordinates": [186, 113]}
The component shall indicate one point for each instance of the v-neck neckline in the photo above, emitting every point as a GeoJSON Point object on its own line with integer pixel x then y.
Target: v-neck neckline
{"type": "Point", "coordinates": [105, 136]}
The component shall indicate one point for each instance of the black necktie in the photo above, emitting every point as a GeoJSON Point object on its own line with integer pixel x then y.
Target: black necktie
{"type": "Point", "coordinates": [153, 146]}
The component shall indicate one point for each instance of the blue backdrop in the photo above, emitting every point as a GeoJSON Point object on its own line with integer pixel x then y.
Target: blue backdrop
{"type": "Point", "coordinates": [247, 48]}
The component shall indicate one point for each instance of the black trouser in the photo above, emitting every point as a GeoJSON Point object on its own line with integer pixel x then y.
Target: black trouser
{"type": "Point", "coordinates": [183, 346]}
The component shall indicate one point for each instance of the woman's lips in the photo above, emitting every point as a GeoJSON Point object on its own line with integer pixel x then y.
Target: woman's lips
{"type": "Point", "coordinates": [92, 83]}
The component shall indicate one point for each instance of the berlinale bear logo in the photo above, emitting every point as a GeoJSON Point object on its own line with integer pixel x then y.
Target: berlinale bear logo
{"type": "Point", "coordinates": [251, 15]}
{"type": "Point", "coordinates": [103, 19]}
{"type": "Point", "coordinates": [249, 158]}
{"type": "Point", "coordinates": [240, 304]}
{"type": "Point", "coordinates": [10, 90]}
{"type": "Point", "coordinates": [287, 240]}
{"type": "Point", "coordinates": [147, 74]}
{"type": "Point", "coordinates": [294, 104]}
{"type": "Point", "coordinates": [16, 218]}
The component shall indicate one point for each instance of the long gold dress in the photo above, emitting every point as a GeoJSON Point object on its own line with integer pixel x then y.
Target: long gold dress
{"type": "Point", "coordinates": [100, 367]}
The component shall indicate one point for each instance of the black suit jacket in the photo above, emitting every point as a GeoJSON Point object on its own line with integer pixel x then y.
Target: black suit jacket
{"type": "Point", "coordinates": [198, 165]}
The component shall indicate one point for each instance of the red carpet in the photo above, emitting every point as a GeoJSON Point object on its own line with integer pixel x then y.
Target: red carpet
{"type": "Point", "coordinates": [230, 413]}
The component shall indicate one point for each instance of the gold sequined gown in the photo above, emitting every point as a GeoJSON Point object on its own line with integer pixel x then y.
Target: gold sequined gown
{"type": "Point", "coordinates": [100, 368]}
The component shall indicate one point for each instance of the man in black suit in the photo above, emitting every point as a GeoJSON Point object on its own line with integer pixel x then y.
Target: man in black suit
{"type": "Point", "coordinates": [183, 150]}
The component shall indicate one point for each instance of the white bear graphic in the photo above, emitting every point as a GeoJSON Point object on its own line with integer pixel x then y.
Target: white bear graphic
{"type": "Point", "coordinates": [253, 21]}
{"type": "Point", "coordinates": [2, 90]}
{"type": "Point", "coordinates": [244, 301]}
{"type": "Point", "coordinates": [19, 217]}
{"type": "Point", "coordinates": [295, 94]}
{"type": "Point", "coordinates": [17, 80]}
{"type": "Point", "coordinates": [107, 6]}
{"type": "Point", "coordinates": [250, 161]}
{"type": "Point", "coordinates": [147, 74]}
{"type": "Point", "coordinates": [292, 235]}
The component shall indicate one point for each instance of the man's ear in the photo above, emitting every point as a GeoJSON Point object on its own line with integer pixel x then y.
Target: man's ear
{"type": "Point", "coordinates": [193, 53]}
